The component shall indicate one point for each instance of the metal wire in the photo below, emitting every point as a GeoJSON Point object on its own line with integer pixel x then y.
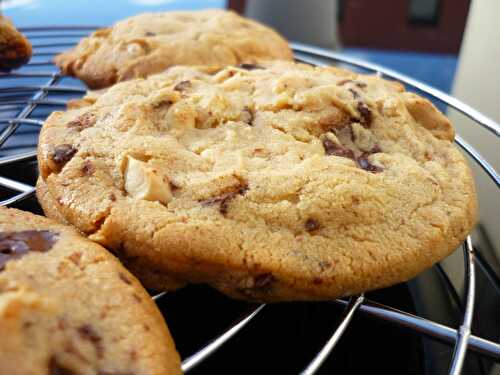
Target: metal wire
{"type": "Point", "coordinates": [38, 96]}
{"type": "Point", "coordinates": [465, 328]}
{"type": "Point", "coordinates": [352, 306]}
{"type": "Point", "coordinates": [202, 354]}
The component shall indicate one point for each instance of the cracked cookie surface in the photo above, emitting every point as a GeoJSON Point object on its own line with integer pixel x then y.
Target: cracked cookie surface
{"type": "Point", "coordinates": [277, 181]}
{"type": "Point", "coordinates": [67, 306]}
{"type": "Point", "coordinates": [151, 42]}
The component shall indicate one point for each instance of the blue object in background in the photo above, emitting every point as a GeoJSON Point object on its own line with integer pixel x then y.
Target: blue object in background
{"type": "Point", "coordinates": [436, 70]}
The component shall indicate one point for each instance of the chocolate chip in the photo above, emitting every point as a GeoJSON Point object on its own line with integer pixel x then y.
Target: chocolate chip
{"type": "Point", "coordinates": [224, 199]}
{"type": "Point", "coordinates": [366, 165]}
{"type": "Point", "coordinates": [124, 278]}
{"type": "Point", "coordinates": [84, 121]}
{"type": "Point", "coordinates": [182, 85]}
{"type": "Point", "coordinates": [55, 368]}
{"type": "Point", "coordinates": [62, 154]}
{"type": "Point", "coordinates": [247, 66]}
{"type": "Point", "coordinates": [88, 333]}
{"type": "Point", "coordinates": [365, 114]}
{"type": "Point", "coordinates": [14, 245]}
{"type": "Point", "coordinates": [88, 168]}
{"type": "Point", "coordinates": [311, 225]}
{"type": "Point", "coordinates": [173, 186]}
{"type": "Point", "coordinates": [149, 33]}
{"type": "Point", "coordinates": [331, 148]}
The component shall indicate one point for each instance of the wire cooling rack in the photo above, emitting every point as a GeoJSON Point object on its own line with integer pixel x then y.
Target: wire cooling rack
{"type": "Point", "coordinates": [24, 107]}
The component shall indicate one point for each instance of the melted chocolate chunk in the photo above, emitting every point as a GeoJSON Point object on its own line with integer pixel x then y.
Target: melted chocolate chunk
{"type": "Point", "coordinates": [331, 148]}
{"type": "Point", "coordinates": [366, 165]}
{"type": "Point", "coordinates": [224, 199]}
{"type": "Point", "coordinates": [62, 154]}
{"type": "Point", "coordinates": [149, 33]}
{"type": "Point", "coordinates": [182, 85]}
{"type": "Point", "coordinates": [14, 245]}
{"type": "Point", "coordinates": [55, 368]}
{"type": "Point", "coordinates": [365, 114]}
{"type": "Point", "coordinates": [311, 225]}
{"type": "Point", "coordinates": [250, 66]}
{"type": "Point", "coordinates": [88, 333]}
{"type": "Point", "coordinates": [83, 122]}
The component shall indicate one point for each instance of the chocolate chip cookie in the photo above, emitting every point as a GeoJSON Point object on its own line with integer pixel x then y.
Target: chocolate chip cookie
{"type": "Point", "coordinates": [15, 49]}
{"type": "Point", "coordinates": [150, 43]}
{"type": "Point", "coordinates": [67, 306]}
{"type": "Point", "coordinates": [276, 181]}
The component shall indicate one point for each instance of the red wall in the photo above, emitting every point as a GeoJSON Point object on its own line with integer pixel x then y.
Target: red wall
{"type": "Point", "coordinates": [384, 24]}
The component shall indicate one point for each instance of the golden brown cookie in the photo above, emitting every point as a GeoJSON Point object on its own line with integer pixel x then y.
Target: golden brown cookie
{"type": "Point", "coordinates": [151, 42]}
{"type": "Point", "coordinates": [67, 306]}
{"type": "Point", "coordinates": [149, 276]}
{"type": "Point", "coordinates": [276, 182]}
{"type": "Point", "coordinates": [15, 49]}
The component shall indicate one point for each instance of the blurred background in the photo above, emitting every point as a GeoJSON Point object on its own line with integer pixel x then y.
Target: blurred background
{"type": "Point", "coordinates": [452, 45]}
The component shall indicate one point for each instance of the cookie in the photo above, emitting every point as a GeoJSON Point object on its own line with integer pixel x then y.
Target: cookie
{"type": "Point", "coordinates": [67, 306]}
{"type": "Point", "coordinates": [15, 49]}
{"type": "Point", "coordinates": [147, 274]}
{"type": "Point", "coordinates": [152, 42]}
{"type": "Point", "coordinates": [274, 182]}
